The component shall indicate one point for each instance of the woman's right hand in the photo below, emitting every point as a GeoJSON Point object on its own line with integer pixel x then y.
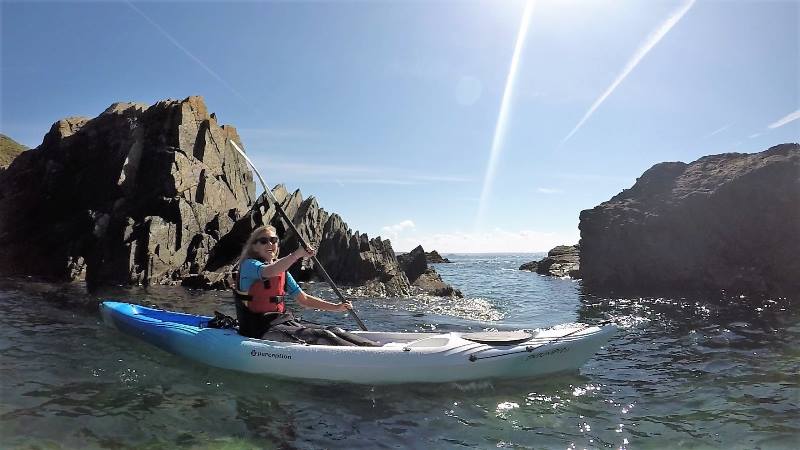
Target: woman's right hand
{"type": "Point", "coordinates": [305, 252]}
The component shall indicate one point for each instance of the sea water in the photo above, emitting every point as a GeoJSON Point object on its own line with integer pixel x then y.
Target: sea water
{"type": "Point", "coordinates": [681, 373]}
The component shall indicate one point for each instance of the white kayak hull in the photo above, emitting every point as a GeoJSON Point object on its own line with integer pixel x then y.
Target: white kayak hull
{"type": "Point", "coordinates": [402, 358]}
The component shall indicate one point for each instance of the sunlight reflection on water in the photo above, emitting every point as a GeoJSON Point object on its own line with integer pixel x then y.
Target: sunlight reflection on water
{"type": "Point", "coordinates": [683, 372]}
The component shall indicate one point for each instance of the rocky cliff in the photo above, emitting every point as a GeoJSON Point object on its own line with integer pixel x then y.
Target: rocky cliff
{"type": "Point", "coordinates": [134, 195]}
{"type": "Point", "coordinates": [157, 195]}
{"type": "Point", "coordinates": [350, 258]}
{"type": "Point", "coordinates": [727, 222]}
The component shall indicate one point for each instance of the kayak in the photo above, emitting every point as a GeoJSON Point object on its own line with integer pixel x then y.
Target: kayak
{"type": "Point", "coordinates": [400, 358]}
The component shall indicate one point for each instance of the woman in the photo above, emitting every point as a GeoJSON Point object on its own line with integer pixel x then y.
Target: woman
{"type": "Point", "coordinates": [262, 287]}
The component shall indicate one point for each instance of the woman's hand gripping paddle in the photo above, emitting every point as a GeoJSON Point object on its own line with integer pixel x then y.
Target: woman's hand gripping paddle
{"type": "Point", "coordinates": [299, 236]}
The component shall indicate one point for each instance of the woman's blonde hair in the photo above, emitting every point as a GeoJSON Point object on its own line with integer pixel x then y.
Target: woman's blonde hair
{"type": "Point", "coordinates": [247, 250]}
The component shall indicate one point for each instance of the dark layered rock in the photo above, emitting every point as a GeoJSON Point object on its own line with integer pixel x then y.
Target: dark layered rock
{"type": "Point", "coordinates": [425, 279]}
{"type": "Point", "coordinates": [433, 257]}
{"type": "Point", "coordinates": [158, 195]}
{"type": "Point", "coordinates": [350, 258]}
{"type": "Point", "coordinates": [136, 195]}
{"type": "Point", "coordinates": [431, 283]}
{"type": "Point", "coordinates": [561, 261]}
{"type": "Point", "coordinates": [724, 223]}
{"type": "Point", "coordinates": [413, 263]}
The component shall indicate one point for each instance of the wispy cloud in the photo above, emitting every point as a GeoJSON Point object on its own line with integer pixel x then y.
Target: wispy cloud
{"type": "Point", "coordinates": [531, 94]}
{"type": "Point", "coordinates": [277, 133]}
{"type": "Point", "coordinates": [543, 190]}
{"type": "Point", "coordinates": [398, 227]}
{"type": "Point", "coordinates": [312, 169]}
{"type": "Point", "coordinates": [784, 120]}
{"type": "Point", "coordinates": [430, 70]}
{"type": "Point", "coordinates": [408, 223]}
{"type": "Point", "coordinates": [445, 178]}
{"type": "Point", "coordinates": [588, 177]}
{"type": "Point", "coordinates": [791, 117]}
{"type": "Point", "coordinates": [641, 52]}
{"type": "Point", "coordinates": [393, 232]}
{"type": "Point", "coordinates": [389, 181]}
{"type": "Point", "coordinates": [342, 174]}
{"type": "Point", "coordinates": [717, 131]}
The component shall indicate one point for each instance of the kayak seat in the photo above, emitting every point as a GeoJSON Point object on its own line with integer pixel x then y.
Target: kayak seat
{"type": "Point", "coordinates": [394, 344]}
{"type": "Point", "coordinates": [498, 337]}
{"type": "Point", "coordinates": [437, 341]}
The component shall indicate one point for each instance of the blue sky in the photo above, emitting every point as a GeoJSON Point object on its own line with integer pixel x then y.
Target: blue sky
{"type": "Point", "coordinates": [387, 111]}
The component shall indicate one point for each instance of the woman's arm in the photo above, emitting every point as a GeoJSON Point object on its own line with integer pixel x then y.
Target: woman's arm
{"type": "Point", "coordinates": [309, 301]}
{"type": "Point", "coordinates": [283, 264]}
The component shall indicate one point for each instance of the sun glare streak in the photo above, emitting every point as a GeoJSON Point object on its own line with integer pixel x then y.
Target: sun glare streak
{"type": "Point", "coordinates": [188, 53]}
{"type": "Point", "coordinates": [641, 52]}
{"type": "Point", "coordinates": [502, 118]}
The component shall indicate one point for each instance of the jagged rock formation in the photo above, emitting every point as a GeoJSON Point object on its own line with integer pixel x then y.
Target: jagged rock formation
{"type": "Point", "coordinates": [9, 149]}
{"type": "Point", "coordinates": [135, 195]}
{"type": "Point", "coordinates": [349, 258]}
{"type": "Point", "coordinates": [433, 257]}
{"type": "Point", "coordinates": [424, 279]}
{"type": "Point", "coordinates": [727, 222]}
{"type": "Point", "coordinates": [561, 261]}
{"type": "Point", "coordinates": [158, 195]}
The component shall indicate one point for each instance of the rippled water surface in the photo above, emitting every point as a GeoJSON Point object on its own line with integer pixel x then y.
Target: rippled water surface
{"type": "Point", "coordinates": [683, 373]}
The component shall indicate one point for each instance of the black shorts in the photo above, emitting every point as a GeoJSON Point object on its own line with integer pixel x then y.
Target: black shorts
{"type": "Point", "coordinates": [284, 327]}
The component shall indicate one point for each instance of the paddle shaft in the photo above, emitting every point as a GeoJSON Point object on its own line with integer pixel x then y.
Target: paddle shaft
{"type": "Point", "coordinates": [303, 242]}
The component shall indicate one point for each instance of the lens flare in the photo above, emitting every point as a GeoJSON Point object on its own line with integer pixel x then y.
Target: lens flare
{"type": "Point", "coordinates": [502, 118]}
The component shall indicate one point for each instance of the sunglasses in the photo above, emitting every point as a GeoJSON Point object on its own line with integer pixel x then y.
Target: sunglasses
{"type": "Point", "coordinates": [267, 240]}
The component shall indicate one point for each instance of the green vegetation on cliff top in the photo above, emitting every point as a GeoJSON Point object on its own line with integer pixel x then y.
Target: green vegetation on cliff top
{"type": "Point", "coordinates": [9, 149]}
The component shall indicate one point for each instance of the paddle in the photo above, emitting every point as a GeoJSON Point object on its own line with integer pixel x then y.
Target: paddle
{"type": "Point", "coordinates": [299, 236]}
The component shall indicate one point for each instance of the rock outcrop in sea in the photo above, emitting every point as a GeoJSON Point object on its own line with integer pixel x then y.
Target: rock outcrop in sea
{"type": "Point", "coordinates": [424, 279]}
{"type": "Point", "coordinates": [433, 257]}
{"type": "Point", "coordinates": [561, 261]}
{"type": "Point", "coordinates": [157, 195]}
{"type": "Point", "coordinates": [724, 223]}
